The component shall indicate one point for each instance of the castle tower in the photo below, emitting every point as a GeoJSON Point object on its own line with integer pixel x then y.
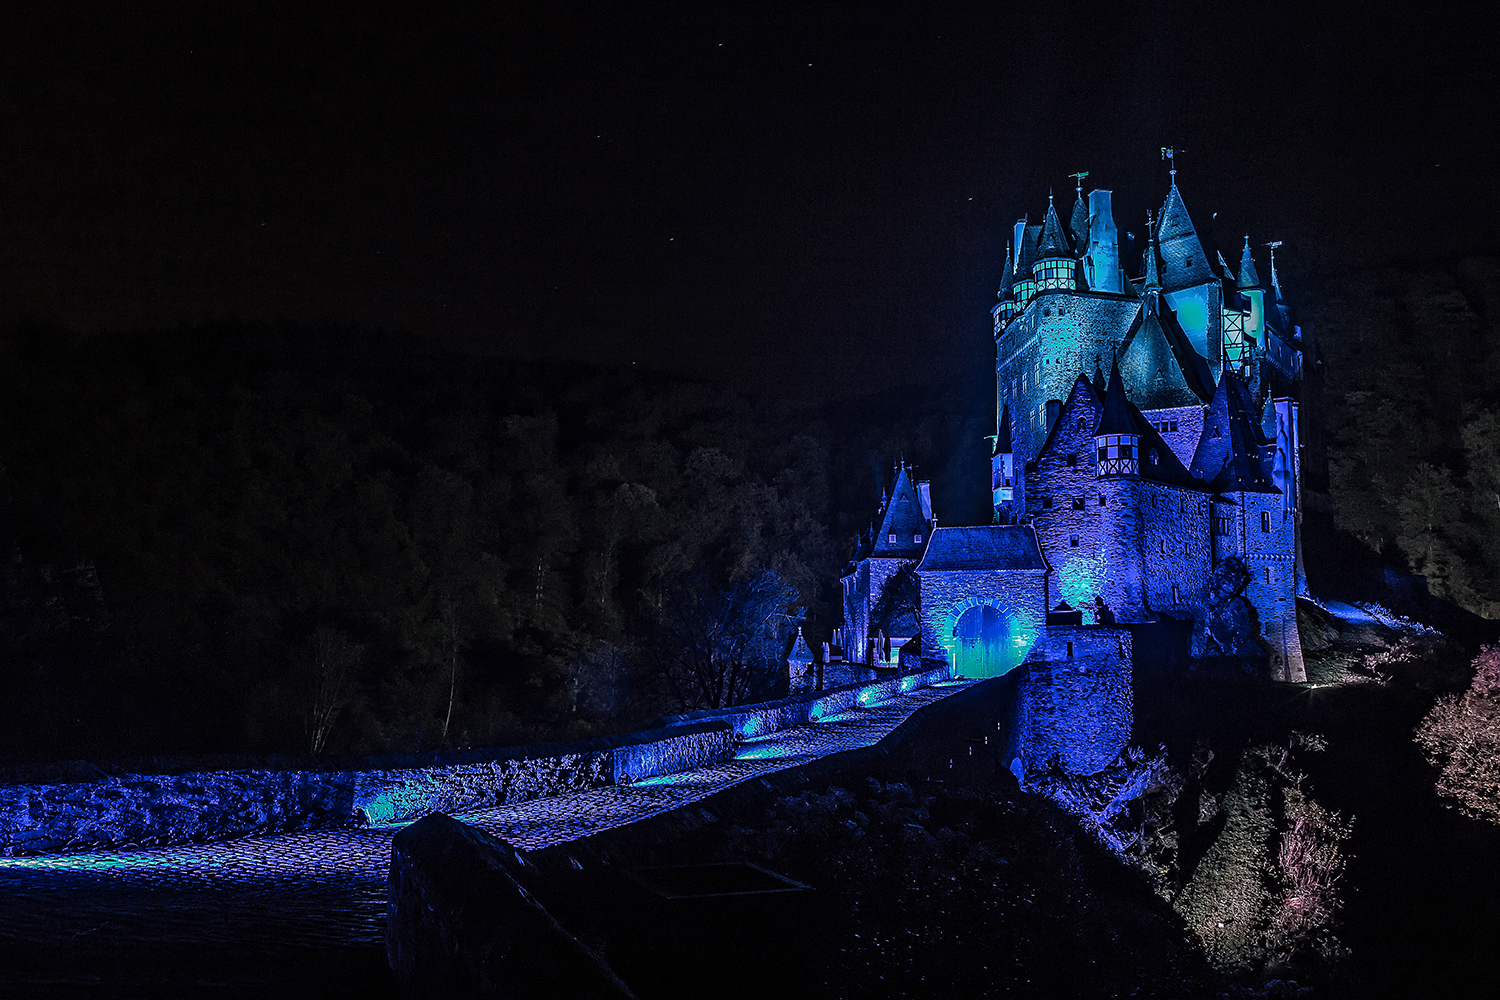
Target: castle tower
{"type": "Point", "coordinates": [1054, 265]}
{"type": "Point", "coordinates": [1117, 441]}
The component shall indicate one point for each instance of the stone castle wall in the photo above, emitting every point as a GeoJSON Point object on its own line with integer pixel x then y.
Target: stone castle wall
{"type": "Point", "coordinates": [1075, 703]}
{"type": "Point", "coordinates": [1021, 595]}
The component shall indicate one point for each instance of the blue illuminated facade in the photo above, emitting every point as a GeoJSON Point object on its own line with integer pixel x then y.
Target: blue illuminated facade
{"type": "Point", "coordinates": [1146, 465]}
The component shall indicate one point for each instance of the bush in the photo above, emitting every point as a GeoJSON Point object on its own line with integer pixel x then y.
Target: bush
{"type": "Point", "coordinates": [1461, 737]}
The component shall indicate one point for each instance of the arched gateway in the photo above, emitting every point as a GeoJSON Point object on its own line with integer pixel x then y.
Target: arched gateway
{"type": "Point", "coordinates": [982, 643]}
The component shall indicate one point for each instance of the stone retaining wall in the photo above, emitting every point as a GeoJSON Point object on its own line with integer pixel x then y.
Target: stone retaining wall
{"type": "Point", "coordinates": [209, 805]}
{"type": "Point", "coordinates": [89, 809]}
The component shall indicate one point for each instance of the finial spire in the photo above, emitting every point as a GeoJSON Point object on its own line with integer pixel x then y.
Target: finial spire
{"type": "Point", "coordinates": [1169, 153]}
{"type": "Point", "coordinates": [1078, 178]}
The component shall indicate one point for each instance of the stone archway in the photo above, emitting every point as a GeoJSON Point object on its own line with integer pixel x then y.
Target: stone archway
{"type": "Point", "coordinates": [983, 645]}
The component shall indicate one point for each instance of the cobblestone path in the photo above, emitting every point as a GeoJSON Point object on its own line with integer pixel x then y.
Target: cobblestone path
{"type": "Point", "coordinates": [328, 888]}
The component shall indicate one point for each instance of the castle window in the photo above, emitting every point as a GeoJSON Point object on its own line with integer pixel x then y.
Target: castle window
{"type": "Point", "coordinates": [1174, 593]}
{"type": "Point", "coordinates": [1265, 521]}
{"type": "Point", "coordinates": [1078, 503]}
{"type": "Point", "coordinates": [1072, 461]}
{"type": "Point", "coordinates": [1073, 542]}
{"type": "Point", "coordinates": [1268, 575]}
{"type": "Point", "coordinates": [1070, 650]}
{"type": "Point", "coordinates": [1047, 503]}
{"type": "Point", "coordinates": [916, 539]}
{"type": "Point", "coordinates": [1101, 501]}
{"type": "Point", "coordinates": [1163, 547]}
{"type": "Point", "coordinates": [1174, 425]}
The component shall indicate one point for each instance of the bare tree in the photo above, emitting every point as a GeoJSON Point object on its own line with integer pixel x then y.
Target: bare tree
{"type": "Point", "coordinates": [333, 660]}
{"type": "Point", "coordinates": [716, 645]}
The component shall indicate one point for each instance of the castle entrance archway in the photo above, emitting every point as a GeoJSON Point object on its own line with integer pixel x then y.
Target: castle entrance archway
{"type": "Point", "coordinates": [983, 645]}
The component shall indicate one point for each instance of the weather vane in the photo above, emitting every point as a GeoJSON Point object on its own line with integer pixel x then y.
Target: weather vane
{"type": "Point", "coordinates": [1169, 153]}
{"type": "Point", "coordinates": [1079, 178]}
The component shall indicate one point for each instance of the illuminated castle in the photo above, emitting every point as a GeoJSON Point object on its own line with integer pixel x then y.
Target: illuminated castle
{"type": "Point", "coordinates": [1146, 464]}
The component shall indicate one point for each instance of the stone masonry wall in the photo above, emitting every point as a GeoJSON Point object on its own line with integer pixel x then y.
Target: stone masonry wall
{"type": "Point", "coordinates": [1075, 704]}
{"type": "Point", "coordinates": [200, 806]}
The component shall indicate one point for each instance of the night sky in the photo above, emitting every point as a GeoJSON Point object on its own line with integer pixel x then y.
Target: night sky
{"type": "Point", "coordinates": [786, 198]}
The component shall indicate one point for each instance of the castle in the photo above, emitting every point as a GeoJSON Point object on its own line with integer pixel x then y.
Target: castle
{"type": "Point", "coordinates": [1146, 470]}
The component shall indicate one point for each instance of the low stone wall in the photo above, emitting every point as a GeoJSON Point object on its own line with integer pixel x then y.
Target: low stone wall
{"type": "Point", "coordinates": [201, 806]}
{"type": "Point", "coordinates": [189, 803]}
{"type": "Point", "coordinates": [750, 721]}
{"type": "Point", "coordinates": [460, 924]}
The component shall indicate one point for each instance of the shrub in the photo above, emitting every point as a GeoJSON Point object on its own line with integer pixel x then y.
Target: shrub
{"type": "Point", "coordinates": [1461, 737]}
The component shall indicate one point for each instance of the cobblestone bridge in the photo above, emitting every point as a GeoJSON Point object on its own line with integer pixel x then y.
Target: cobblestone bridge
{"type": "Point", "coordinates": [327, 889]}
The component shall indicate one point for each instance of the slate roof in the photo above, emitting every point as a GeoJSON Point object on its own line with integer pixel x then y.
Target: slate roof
{"type": "Point", "coordinates": [1053, 243]}
{"type": "Point", "coordinates": [1079, 223]}
{"type": "Point", "coordinates": [903, 518]}
{"type": "Point", "coordinates": [1158, 462]}
{"type": "Point", "coordinates": [1183, 262]}
{"type": "Point", "coordinates": [1228, 456]}
{"type": "Point", "coordinates": [1007, 277]}
{"type": "Point", "coordinates": [1163, 367]}
{"type": "Point", "coordinates": [991, 547]}
{"type": "Point", "coordinates": [1247, 277]}
{"type": "Point", "coordinates": [1115, 417]}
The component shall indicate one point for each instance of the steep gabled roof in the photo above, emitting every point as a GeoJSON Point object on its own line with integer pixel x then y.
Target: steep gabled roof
{"type": "Point", "coordinates": [988, 548]}
{"type": "Point", "coordinates": [903, 518]}
{"type": "Point", "coordinates": [1228, 456]}
{"type": "Point", "coordinates": [1053, 243]}
{"type": "Point", "coordinates": [1183, 262]}
{"type": "Point", "coordinates": [1248, 278]}
{"type": "Point", "coordinates": [1163, 368]}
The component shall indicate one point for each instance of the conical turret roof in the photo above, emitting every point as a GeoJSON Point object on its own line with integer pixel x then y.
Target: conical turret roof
{"type": "Point", "coordinates": [1115, 416]}
{"type": "Point", "coordinates": [1027, 251]}
{"type": "Point", "coordinates": [1184, 263]}
{"type": "Point", "coordinates": [1007, 277]}
{"type": "Point", "coordinates": [1248, 277]}
{"type": "Point", "coordinates": [1053, 243]}
{"type": "Point", "coordinates": [800, 652]}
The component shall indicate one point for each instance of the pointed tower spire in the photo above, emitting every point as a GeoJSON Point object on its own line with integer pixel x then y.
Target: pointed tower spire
{"type": "Point", "coordinates": [1153, 276]}
{"type": "Point", "coordinates": [1116, 439]}
{"type": "Point", "coordinates": [1007, 276]}
{"type": "Point", "coordinates": [1079, 223]}
{"type": "Point", "coordinates": [1275, 282]}
{"type": "Point", "coordinates": [1248, 278]}
{"type": "Point", "coordinates": [1054, 265]}
{"type": "Point", "coordinates": [1053, 242]}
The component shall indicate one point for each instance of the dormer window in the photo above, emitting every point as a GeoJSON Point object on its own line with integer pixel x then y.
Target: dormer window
{"type": "Point", "coordinates": [891, 538]}
{"type": "Point", "coordinates": [917, 538]}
